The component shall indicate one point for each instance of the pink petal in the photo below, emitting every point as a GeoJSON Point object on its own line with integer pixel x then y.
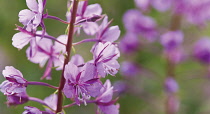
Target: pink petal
{"type": "Point", "coordinates": [94, 9]}
{"type": "Point", "coordinates": [112, 34]}
{"type": "Point", "coordinates": [77, 60]}
{"type": "Point", "coordinates": [10, 70]}
{"type": "Point", "coordinates": [90, 28]}
{"type": "Point", "coordinates": [19, 40]}
{"type": "Point", "coordinates": [25, 16]}
{"type": "Point", "coordinates": [71, 71]}
{"type": "Point", "coordinates": [32, 4]}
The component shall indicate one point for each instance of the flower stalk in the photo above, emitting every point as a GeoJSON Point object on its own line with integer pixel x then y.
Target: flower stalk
{"type": "Point", "coordinates": [68, 50]}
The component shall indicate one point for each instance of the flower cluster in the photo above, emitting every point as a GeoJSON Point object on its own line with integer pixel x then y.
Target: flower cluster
{"type": "Point", "coordinates": [80, 80]}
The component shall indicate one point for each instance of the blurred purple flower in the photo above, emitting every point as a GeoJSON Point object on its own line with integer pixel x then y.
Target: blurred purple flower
{"type": "Point", "coordinates": [129, 69]}
{"type": "Point", "coordinates": [176, 55]}
{"type": "Point", "coordinates": [104, 100]}
{"type": "Point", "coordinates": [160, 5]}
{"type": "Point", "coordinates": [32, 18]}
{"type": "Point", "coordinates": [171, 85]}
{"type": "Point", "coordinates": [202, 50]}
{"type": "Point", "coordinates": [196, 11]}
{"type": "Point", "coordinates": [104, 58]}
{"type": "Point", "coordinates": [46, 51]}
{"type": "Point", "coordinates": [172, 40]}
{"type": "Point", "coordinates": [143, 4]}
{"type": "Point", "coordinates": [129, 43]}
{"type": "Point", "coordinates": [81, 84]}
{"type": "Point", "coordinates": [15, 83]}
{"type": "Point", "coordinates": [120, 87]}
{"type": "Point", "coordinates": [17, 99]}
{"type": "Point", "coordinates": [138, 24]}
{"type": "Point", "coordinates": [86, 12]}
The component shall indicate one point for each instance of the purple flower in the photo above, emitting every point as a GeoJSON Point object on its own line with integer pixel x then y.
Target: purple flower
{"type": "Point", "coordinates": [85, 15]}
{"type": "Point", "coordinates": [129, 69]}
{"type": "Point", "coordinates": [51, 101]}
{"type": "Point", "coordinates": [106, 33]}
{"type": "Point", "coordinates": [172, 40]}
{"type": "Point", "coordinates": [21, 39]}
{"type": "Point", "coordinates": [195, 11]}
{"type": "Point", "coordinates": [104, 100]}
{"type": "Point", "coordinates": [17, 99]}
{"type": "Point", "coordinates": [160, 5]}
{"type": "Point", "coordinates": [80, 84]}
{"type": "Point", "coordinates": [104, 59]}
{"type": "Point", "coordinates": [33, 17]}
{"type": "Point", "coordinates": [143, 4]}
{"type": "Point", "coordinates": [202, 50]}
{"type": "Point", "coordinates": [77, 60]}
{"type": "Point", "coordinates": [15, 83]}
{"type": "Point", "coordinates": [171, 85]}
{"type": "Point", "coordinates": [46, 51]}
{"type": "Point", "coordinates": [138, 24]}
{"type": "Point", "coordinates": [34, 110]}
{"type": "Point", "coordinates": [129, 43]}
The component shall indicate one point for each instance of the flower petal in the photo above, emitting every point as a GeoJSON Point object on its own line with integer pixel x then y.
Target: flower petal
{"type": "Point", "coordinates": [32, 4]}
{"type": "Point", "coordinates": [19, 40]}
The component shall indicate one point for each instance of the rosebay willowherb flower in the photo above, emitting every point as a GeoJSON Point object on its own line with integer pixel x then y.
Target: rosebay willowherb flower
{"type": "Point", "coordinates": [79, 80]}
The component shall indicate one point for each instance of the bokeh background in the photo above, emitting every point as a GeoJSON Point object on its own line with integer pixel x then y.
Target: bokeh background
{"type": "Point", "coordinates": [145, 94]}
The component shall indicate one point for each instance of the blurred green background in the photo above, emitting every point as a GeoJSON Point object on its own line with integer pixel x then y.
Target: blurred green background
{"type": "Point", "coordinates": [145, 97]}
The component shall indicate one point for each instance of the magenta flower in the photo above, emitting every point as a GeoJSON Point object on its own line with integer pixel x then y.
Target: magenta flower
{"type": "Point", "coordinates": [138, 24]}
{"type": "Point", "coordinates": [129, 43]}
{"type": "Point", "coordinates": [81, 84]}
{"type": "Point", "coordinates": [15, 83]}
{"type": "Point", "coordinates": [46, 51]}
{"type": "Point", "coordinates": [202, 50]}
{"type": "Point", "coordinates": [104, 59]}
{"type": "Point", "coordinates": [172, 40]}
{"type": "Point", "coordinates": [84, 14]}
{"type": "Point", "coordinates": [32, 18]}
{"type": "Point", "coordinates": [104, 100]}
{"type": "Point", "coordinates": [17, 99]}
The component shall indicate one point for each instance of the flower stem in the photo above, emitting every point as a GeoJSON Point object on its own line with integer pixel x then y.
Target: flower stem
{"type": "Point", "coordinates": [38, 100]}
{"type": "Point", "coordinates": [68, 50]}
{"type": "Point", "coordinates": [170, 65]}
{"type": "Point", "coordinates": [56, 18]}
{"type": "Point", "coordinates": [86, 40]}
{"type": "Point", "coordinates": [42, 84]}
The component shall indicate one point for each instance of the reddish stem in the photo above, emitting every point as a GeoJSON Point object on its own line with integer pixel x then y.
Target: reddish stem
{"type": "Point", "coordinates": [68, 50]}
